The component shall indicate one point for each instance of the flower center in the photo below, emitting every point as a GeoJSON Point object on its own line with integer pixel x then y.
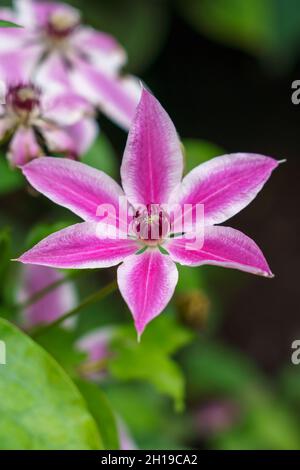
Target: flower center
{"type": "Point", "coordinates": [151, 224]}
{"type": "Point", "coordinates": [62, 23]}
{"type": "Point", "coordinates": [24, 100]}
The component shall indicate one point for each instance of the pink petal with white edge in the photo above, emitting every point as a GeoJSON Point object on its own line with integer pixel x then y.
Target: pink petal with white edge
{"type": "Point", "coordinates": [152, 163]}
{"type": "Point", "coordinates": [83, 134]}
{"type": "Point", "coordinates": [147, 282]}
{"type": "Point", "coordinates": [223, 246]}
{"type": "Point", "coordinates": [34, 13]}
{"type": "Point", "coordinates": [23, 147]}
{"type": "Point", "coordinates": [104, 50]}
{"type": "Point", "coordinates": [81, 246]}
{"type": "Point", "coordinates": [10, 38]}
{"type": "Point", "coordinates": [74, 185]}
{"type": "Point", "coordinates": [225, 185]}
{"type": "Point", "coordinates": [53, 75]}
{"type": "Point", "coordinates": [116, 97]}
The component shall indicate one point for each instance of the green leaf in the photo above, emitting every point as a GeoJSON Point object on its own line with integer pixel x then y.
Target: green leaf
{"type": "Point", "coordinates": [40, 406]}
{"type": "Point", "coordinates": [199, 151]}
{"type": "Point", "coordinates": [102, 156]}
{"type": "Point", "coordinates": [8, 24]}
{"type": "Point", "coordinates": [101, 411]}
{"type": "Point", "coordinates": [150, 359]}
{"type": "Point", "coordinates": [165, 333]}
{"type": "Point", "coordinates": [11, 179]}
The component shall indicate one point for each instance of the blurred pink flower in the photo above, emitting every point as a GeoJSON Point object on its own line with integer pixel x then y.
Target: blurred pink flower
{"type": "Point", "coordinates": [216, 416]}
{"type": "Point", "coordinates": [62, 53]}
{"type": "Point", "coordinates": [96, 345]}
{"type": "Point", "coordinates": [53, 304]}
{"type": "Point", "coordinates": [126, 440]}
{"type": "Point", "coordinates": [36, 123]}
{"type": "Point", "coordinates": [151, 175]}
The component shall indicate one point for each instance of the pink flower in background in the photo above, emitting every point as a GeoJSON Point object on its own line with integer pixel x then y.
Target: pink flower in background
{"type": "Point", "coordinates": [35, 123]}
{"type": "Point", "coordinates": [62, 53]}
{"type": "Point", "coordinates": [53, 304]}
{"type": "Point", "coordinates": [96, 345]}
{"type": "Point", "coordinates": [151, 173]}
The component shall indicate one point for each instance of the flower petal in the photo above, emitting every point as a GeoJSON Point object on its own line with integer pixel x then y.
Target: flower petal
{"type": "Point", "coordinates": [74, 185]}
{"type": "Point", "coordinates": [53, 74]}
{"type": "Point", "coordinates": [23, 147]}
{"type": "Point", "coordinates": [16, 66]}
{"type": "Point", "coordinates": [147, 282]}
{"type": "Point", "coordinates": [66, 109]}
{"type": "Point", "coordinates": [53, 304]}
{"type": "Point", "coordinates": [223, 246]}
{"type": "Point", "coordinates": [117, 97]}
{"type": "Point", "coordinates": [83, 134]}
{"type": "Point", "coordinates": [104, 50]}
{"type": "Point", "coordinates": [58, 141]}
{"type": "Point", "coordinates": [225, 185]}
{"type": "Point", "coordinates": [152, 163]}
{"type": "Point", "coordinates": [81, 246]}
{"type": "Point", "coordinates": [37, 13]}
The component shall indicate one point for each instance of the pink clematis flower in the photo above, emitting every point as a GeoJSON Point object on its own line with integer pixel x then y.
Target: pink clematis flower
{"type": "Point", "coordinates": [35, 123]}
{"type": "Point", "coordinates": [59, 50]}
{"type": "Point", "coordinates": [151, 174]}
{"type": "Point", "coordinates": [53, 304]}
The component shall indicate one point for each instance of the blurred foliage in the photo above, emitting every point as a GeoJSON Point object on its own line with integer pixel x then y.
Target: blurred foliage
{"type": "Point", "coordinates": [269, 29]}
{"type": "Point", "coordinates": [264, 422]}
{"type": "Point", "coordinates": [102, 156]}
{"type": "Point", "coordinates": [60, 343]}
{"type": "Point", "coordinates": [8, 24]}
{"type": "Point", "coordinates": [5, 256]}
{"type": "Point", "coordinates": [40, 407]}
{"type": "Point", "coordinates": [149, 416]}
{"type": "Point", "coordinates": [149, 360]}
{"type": "Point", "coordinates": [101, 411]}
{"type": "Point", "coordinates": [10, 180]}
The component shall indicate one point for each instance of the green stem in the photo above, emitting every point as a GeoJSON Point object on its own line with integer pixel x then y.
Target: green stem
{"type": "Point", "coordinates": [41, 293]}
{"type": "Point", "coordinates": [91, 299]}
